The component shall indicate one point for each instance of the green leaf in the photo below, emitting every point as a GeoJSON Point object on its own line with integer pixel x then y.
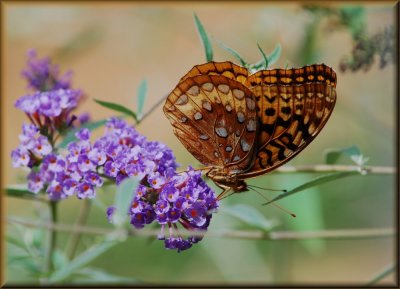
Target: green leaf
{"type": "Point", "coordinates": [99, 204]}
{"type": "Point", "coordinates": [250, 216]}
{"type": "Point", "coordinates": [381, 275]}
{"type": "Point", "coordinates": [315, 182]}
{"type": "Point", "coordinates": [83, 41]}
{"type": "Point", "coordinates": [272, 57]}
{"type": "Point", "coordinates": [60, 260]}
{"type": "Point", "coordinates": [354, 18]}
{"type": "Point", "coordinates": [94, 275]}
{"type": "Point", "coordinates": [20, 191]}
{"type": "Point", "coordinates": [117, 107]}
{"type": "Point", "coordinates": [17, 242]}
{"type": "Point", "coordinates": [25, 263]}
{"type": "Point", "coordinates": [141, 97]}
{"type": "Point", "coordinates": [275, 54]}
{"type": "Point", "coordinates": [234, 53]}
{"type": "Point", "coordinates": [70, 136]}
{"type": "Point", "coordinates": [204, 38]}
{"type": "Point", "coordinates": [82, 260]}
{"type": "Point", "coordinates": [265, 64]}
{"type": "Point", "coordinates": [333, 155]}
{"type": "Point", "coordinates": [38, 237]}
{"type": "Point", "coordinates": [123, 199]}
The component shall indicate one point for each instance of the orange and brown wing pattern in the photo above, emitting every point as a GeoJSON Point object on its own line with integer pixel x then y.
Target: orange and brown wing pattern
{"type": "Point", "coordinates": [227, 69]}
{"type": "Point", "coordinates": [215, 119]}
{"type": "Point", "coordinates": [318, 73]}
{"type": "Point", "coordinates": [290, 115]}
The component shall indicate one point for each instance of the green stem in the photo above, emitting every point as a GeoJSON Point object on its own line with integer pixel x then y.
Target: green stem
{"type": "Point", "coordinates": [76, 234]}
{"type": "Point", "coordinates": [385, 272]}
{"type": "Point", "coordinates": [52, 237]}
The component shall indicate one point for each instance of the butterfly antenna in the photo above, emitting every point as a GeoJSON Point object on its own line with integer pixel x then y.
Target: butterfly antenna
{"type": "Point", "coordinates": [272, 190]}
{"type": "Point", "coordinates": [274, 204]}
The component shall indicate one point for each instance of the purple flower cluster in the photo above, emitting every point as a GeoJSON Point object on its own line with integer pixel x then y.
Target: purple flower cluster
{"type": "Point", "coordinates": [163, 196]}
{"type": "Point", "coordinates": [49, 106]}
{"type": "Point", "coordinates": [42, 75]}
{"type": "Point", "coordinates": [60, 176]}
{"type": "Point", "coordinates": [32, 148]}
{"type": "Point", "coordinates": [51, 103]}
{"type": "Point", "coordinates": [175, 199]}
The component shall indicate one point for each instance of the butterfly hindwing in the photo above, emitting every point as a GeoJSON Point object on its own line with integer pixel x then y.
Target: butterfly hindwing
{"type": "Point", "coordinates": [290, 115]}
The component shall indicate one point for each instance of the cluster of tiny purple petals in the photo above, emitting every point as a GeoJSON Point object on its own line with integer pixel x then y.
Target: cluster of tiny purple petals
{"type": "Point", "coordinates": [163, 195]}
{"type": "Point", "coordinates": [49, 103]}
{"type": "Point", "coordinates": [62, 176]}
{"type": "Point", "coordinates": [171, 199]}
{"type": "Point", "coordinates": [129, 154]}
{"type": "Point", "coordinates": [42, 75]}
{"type": "Point", "coordinates": [32, 147]}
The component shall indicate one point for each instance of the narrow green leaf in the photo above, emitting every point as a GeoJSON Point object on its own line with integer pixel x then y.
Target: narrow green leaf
{"type": "Point", "coordinates": [16, 242]}
{"type": "Point", "coordinates": [70, 136]}
{"type": "Point", "coordinates": [123, 199]}
{"type": "Point", "coordinates": [25, 263]}
{"type": "Point", "coordinates": [333, 155]}
{"type": "Point", "coordinates": [60, 260]}
{"type": "Point", "coordinates": [272, 57]}
{"type": "Point", "coordinates": [204, 38]}
{"type": "Point", "coordinates": [117, 107]}
{"type": "Point", "coordinates": [315, 182]}
{"type": "Point", "coordinates": [250, 216]}
{"type": "Point", "coordinates": [20, 191]}
{"type": "Point", "coordinates": [141, 98]}
{"type": "Point", "coordinates": [82, 42]}
{"type": "Point", "coordinates": [385, 272]}
{"type": "Point", "coordinates": [82, 260]}
{"type": "Point", "coordinates": [234, 53]}
{"type": "Point", "coordinates": [275, 54]}
{"type": "Point", "coordinates": [94, 275]}
{"type": "Point", "coordinates": [266, 62]}
{"type": "Point", "coordinates": [99, 204]}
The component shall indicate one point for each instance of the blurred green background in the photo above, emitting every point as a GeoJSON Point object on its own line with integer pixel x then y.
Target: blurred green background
{"type": "Point", "coordinates": [112, 47]}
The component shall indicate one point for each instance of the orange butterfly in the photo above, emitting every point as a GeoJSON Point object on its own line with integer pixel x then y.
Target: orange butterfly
{"type": "Point", "coordinates": [241, 126]}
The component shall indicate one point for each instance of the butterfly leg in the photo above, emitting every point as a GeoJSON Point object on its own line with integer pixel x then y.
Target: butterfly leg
{"type": "Point", "coordinates": [227, 191]}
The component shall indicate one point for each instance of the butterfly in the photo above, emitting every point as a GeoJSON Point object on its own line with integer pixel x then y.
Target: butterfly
{"type": "Point", "coordinates": [241, 125]}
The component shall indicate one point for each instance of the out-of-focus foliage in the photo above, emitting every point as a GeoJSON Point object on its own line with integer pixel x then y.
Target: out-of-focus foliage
{"type": "Point", "coordinates": [365, 46]}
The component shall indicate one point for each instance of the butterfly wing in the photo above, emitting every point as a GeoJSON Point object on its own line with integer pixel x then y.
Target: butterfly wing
{"type": "Point", "coordinates": [292, 107]}
{"type": "Point", "coordinates": [215, 119]}
{"type": "Point", "coordinates": [227, 69]}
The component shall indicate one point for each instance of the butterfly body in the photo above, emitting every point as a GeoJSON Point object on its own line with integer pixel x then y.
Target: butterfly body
{"type": "Point", "coordinates": [240, 125]}
{"type": "Point", "coordinates": [227, 180]}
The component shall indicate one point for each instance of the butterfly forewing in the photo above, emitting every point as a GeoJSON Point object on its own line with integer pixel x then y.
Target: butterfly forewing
{"type": "Point", "coordinates": [215, 119]}
{"type": "Point", "coordinates": [227, 69]}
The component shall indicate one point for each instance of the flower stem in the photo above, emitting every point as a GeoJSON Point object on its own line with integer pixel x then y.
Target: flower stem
{"type": "Point", "coordinates": [76, 234]}
{"type": "Point", "coordinates": [347, 234]}
{"type": "Point", "coordinates": [52, 237]}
